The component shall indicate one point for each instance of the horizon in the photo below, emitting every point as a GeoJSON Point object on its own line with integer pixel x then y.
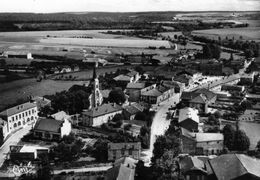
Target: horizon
{"type": "Point", "coordinates": [126, 6]}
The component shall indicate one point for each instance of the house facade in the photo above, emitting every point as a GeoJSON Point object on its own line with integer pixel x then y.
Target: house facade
{"type": "Point", "coordinates": [201, 143]}
{"type": "Point", "coordinates": [156, 94]}
{"type": "Point", "coordinates": [101, 114]}
{"type": "Point", "coordinates": [19, 116]}
{"type": "Point", "coordinates": [133, 90]}
{"type": "Point", "coordinates": [51, 129]}
{"type": "Point", "coordinates": [118, 150]}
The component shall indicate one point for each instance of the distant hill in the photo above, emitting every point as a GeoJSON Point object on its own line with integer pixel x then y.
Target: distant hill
{"type": "Point", "coordinates": [82, 20]}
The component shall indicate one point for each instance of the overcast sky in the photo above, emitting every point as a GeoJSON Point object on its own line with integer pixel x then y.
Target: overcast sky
{"type": "Point", "coordinates": [46, 6]}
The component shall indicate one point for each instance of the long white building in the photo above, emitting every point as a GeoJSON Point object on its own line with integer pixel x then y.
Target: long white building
{"type": "Point", "coordinates": [18, 116]}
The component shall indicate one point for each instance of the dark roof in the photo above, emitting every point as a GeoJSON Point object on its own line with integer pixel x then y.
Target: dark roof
{"type": "Point", "coordinates": [133, 108]}
{"type": "Point", "coordinates": [120, 173]}
{"type": "Point", "coordinates": [102, 110]}
{"type": "Point", "coordinates": [189, 163]}
{"type": "Point", "coordinates": [198, 96]}
{"type": "Point", "coordinates": [18, 109]}
{"type": "Point", "coordinates": [50, 125]}
{"type": "Point", "coordinates": [231, 166]}
{"type": "Point", "coordinates": [133, 145]}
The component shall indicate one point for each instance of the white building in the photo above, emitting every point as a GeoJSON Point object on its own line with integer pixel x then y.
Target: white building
{"type": "Point", "coordinates": [19, 117]}
{"type": "Point", "coordinates": [101, 114]}
{"type": "Point", "coordinates": [52, 129]}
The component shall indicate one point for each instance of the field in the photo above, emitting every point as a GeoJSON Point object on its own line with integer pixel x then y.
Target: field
{"type": "Point", "coordinates": [140, 43]}
{"type": "Point", "coordinates": [36, 36]}
{"type": "Point", "coordinates": [10, 92]}
{"type": "Point", "coordinates": [23, 61]}
{"type": "Point", "coordinates": [252, 131]}
{"type": "Point", "coordinates": [251, 33]}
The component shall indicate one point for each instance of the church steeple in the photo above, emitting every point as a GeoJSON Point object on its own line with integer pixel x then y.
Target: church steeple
{"type": "Point", "coordinates": [94, 71]}
{"type": "Point", "coordinates": [96, 98]}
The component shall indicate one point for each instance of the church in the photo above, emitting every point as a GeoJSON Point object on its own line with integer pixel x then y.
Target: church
{"type": "Point", "coordinates": [96, 98]}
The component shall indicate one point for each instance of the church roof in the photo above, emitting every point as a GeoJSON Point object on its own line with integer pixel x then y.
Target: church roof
{"type": "Point", "coordinates": [102, 110]}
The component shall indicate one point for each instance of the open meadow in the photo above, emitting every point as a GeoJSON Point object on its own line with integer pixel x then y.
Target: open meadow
{"type": "Point", "coordinates": [250, 33]}
{"type": "Point", "coordinates": [132, 43]}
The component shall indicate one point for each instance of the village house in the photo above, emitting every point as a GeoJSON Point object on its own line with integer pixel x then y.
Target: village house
{"type": "Point", "coordinates": [18, 54]}
{"type": "Point", "coordinates": [101, 114]}
{"type": "Point", "coordinates": [234, 166]}
{"type": "Point", "coordinates": [118, 150]}
{"type": "Point", "coordinates": [133, 90]}
{"type": "Point", "coordinates": [233, 88]}
{"type": "Point", "coordinates": [189, 119]}
{"type": "Point", "coordinates": [155, 94]}
{"type": "Point", "coordinates": [19, 116]}
{"type": "Point", "coordinates": [26, 152]}
{"type": "Point", "coordinates": [131, 110]}
{"type": "Point", "coordinates": [51, 129]}
{"type": "Point", "coordinates": [123, 169]}
{"type": "Point", "coordinates": [184, 79]}
{"type": "Point", "coordinates": [135, 126]}
{"type": "Point", "coordinates": [201, 143]}
{"type": "Point", "coordinates": [199, 99]}
{"type": "Point", "coordinates": [192, 168]}
{"type": "Point", "coordinates": [247, 79]}
{"type": "Point", "coordinates": [134, 74]}
{"type": "Point", "coordinates": [65, 69]}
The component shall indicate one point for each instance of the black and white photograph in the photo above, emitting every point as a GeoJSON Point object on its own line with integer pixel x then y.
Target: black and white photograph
{"type": "Point", "coordinates": [129, 90]}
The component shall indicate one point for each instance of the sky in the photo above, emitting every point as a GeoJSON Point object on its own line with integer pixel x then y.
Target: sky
{"type": "Point", "coordinates": [49, 6]}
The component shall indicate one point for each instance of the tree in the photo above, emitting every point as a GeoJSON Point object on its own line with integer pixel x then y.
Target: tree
{"type": "Point", "coordinates": [242, 142]}
{"type": "Point", "coordinates": [229, 135]}
{"type": "Point", "coordinates": [117, 96]}
{"type": "Point", "coordinates": [100, 150]}
{"type": "Point", "coordinates": [249, 53]}
{"type": "Point", "coordinates": [258, 146]}
{"type": "Point", "coordinates": [1, 136]}
{"type": "Point", "coordinates": [175, 36]}
{"type": "Point", "coordinates": [118, 117]}
{"type": "Point", "coordinates": [231, 57]}
{"type": "Point", "coordinates": [44, 171]}
{"type": "Point", "coordinates": [167, 166]}
{"type": "Point", "coordinates": [207, 51]}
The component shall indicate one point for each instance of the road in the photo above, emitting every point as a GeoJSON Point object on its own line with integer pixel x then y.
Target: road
{"type": "Point", "coordinates": [80, 170]}
{"type": "Point", "coordinates": [12, 140]}
{"type": "Point", "coordinates": [160, 124]}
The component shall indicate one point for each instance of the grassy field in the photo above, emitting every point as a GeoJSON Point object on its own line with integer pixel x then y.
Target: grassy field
{"type": "Point", "coordinates": [24, 61]}
{"type": "Point", "coordinates": [140, 43]}
{"type": "Point", "coordinates": [35, 36]}
{"type": "Point", "coordinates": [10, 92]}
{"type": "Point", "coordinates": [250, 33]}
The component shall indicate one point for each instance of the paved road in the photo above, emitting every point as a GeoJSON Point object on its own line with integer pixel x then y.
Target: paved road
{"type": "Point", "coordinates": [12, 140]}
{"type": "Point", "coordinates": [160, 124]}
{"type": "Point", "coordinates": [80, 170]}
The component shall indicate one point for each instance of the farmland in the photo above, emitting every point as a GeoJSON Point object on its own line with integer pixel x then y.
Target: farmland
{"type": "Point", "coordinates": [142, 43]}
{"type": "Point", "coordinates": [251, 33]}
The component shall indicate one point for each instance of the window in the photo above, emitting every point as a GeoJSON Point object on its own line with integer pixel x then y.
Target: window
{"type": "Point", "coordinates": [13, 119]}
{"type": "Point", "coordinates": [212, 151]}
{"type": "Point", "coordinates": [19, 123]}
{"type": "Point", "coordinates": [23, 114]}
{"type": "Point", "coordinates": [20, 116]}
{"type": "Point", "coordinates": [15, 125]}
{"type": "Point", "coordinates": [28, 119]}
{"type": "Point", "coordinates": [29, 112]}
{"type": "Point", "coordinates": [32, 111]}
{"type": "Point", "coordinates": [26, 113]}
{"type": "Point", "coordinates": [32, 118]}
{"type": "Point", "coordinates": [16, 117]}
{"type": "Point", "coordinates": [130, 152]}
